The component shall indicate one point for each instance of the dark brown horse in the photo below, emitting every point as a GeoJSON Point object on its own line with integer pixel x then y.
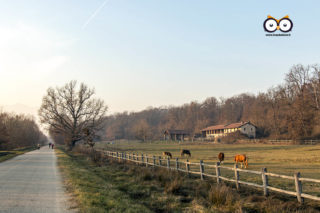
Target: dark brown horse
{"type": "Point", "coordinates": [185, 152]}
{"type": "Point", "coordinates": [221, 157]}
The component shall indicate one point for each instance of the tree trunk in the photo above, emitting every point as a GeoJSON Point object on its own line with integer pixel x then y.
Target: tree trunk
{"type": "Point", "coordinates": [71, 145]}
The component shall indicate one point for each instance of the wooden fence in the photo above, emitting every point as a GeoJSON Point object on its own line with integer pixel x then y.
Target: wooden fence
{"type": "Point", "coordinates": [268, 141]}
{"type": "Point", "coordinates": [185, 166]}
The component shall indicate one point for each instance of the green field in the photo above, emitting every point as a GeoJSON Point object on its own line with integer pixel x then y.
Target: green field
{"type": "Point", "coordinates": [279, 159]}
{"type": "Point", "coordinates": [7, 154]}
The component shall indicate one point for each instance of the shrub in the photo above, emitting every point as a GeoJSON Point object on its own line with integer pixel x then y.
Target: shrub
{"type": "Point", "coordinates": [174, 186]}
{"type": "Point", "coordinates": [220, 196]}
{"type": "Point", "coordinates": [232, 138]}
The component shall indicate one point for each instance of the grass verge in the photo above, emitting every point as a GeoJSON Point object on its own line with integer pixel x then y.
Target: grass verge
{"type": "Point", "coordinates": [8, 154]}
{"type": "Point", "coordinates": [107, 185]}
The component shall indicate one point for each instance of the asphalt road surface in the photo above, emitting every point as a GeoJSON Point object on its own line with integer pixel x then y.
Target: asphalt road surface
{"type": "Point", "coordinates": [31, 183]}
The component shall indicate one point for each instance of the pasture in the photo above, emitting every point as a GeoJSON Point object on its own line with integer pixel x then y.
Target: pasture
{"type": "Point", "coordinates": [280, 159]}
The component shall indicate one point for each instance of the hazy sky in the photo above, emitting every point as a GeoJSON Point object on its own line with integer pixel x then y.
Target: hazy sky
{"type": "Point", "coordinates": [150, 53]}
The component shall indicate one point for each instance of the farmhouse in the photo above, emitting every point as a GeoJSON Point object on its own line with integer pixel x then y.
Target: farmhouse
{"type": "Point", "coordinates": [221, 130]}
{"type": "Point", "coordinates": [175, 135]}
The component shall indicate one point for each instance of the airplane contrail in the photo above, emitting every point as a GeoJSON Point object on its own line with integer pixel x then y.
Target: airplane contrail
{"type": "Point", "coordinates": [94, 14]}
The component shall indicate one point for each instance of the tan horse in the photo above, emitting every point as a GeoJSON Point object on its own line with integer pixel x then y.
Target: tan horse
{"type": "Point", "coordinates": [167, 154]}
{"type": "Point", "coordinates": [243, 159]}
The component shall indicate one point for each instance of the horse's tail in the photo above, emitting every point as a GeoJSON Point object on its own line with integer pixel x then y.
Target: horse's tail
{"type": "Point", "coordinates": [246, 162]}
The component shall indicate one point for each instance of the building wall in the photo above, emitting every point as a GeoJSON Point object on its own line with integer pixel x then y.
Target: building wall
{"type": "Point", "coordinates": [246, 129]}
{"type": "Point", "coordinates": [249, 130]}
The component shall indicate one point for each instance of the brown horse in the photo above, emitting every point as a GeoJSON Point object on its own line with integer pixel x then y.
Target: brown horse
{"type": "Point", "coordinates": [185, 152]}
{"type": "Point", "coordinates": [221, 157]}
{"type": "Point", "coordinates": [243, 159]}
{"type": "Point", "coordinates": [167, 154]}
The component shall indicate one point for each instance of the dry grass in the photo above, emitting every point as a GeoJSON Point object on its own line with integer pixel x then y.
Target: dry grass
{"type": "Point", "coordinates": [160, 190]}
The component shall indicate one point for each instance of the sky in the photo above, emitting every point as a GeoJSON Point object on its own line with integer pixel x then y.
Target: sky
{"type": "Point", "coordinates": [141, 53]}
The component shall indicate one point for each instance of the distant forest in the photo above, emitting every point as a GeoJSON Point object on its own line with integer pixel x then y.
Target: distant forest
{"type": "Point", "coordinates": [288, 111]}
{"type": "Point", "coordinates": [17, 131]}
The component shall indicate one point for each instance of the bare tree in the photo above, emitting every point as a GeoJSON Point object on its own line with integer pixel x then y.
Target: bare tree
{"type": "Point", "coordinates": [69, 110]}
{"type": "Point", "coordinates": [142, 130]}
{"type": "Point", "coordinates": [3, 131]}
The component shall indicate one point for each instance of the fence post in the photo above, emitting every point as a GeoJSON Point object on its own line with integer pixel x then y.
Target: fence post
{"type": "Point", "coordinates": [236, 176]}
{"type": "Point", "coordinates": [201, 169]}
{"type": "Point", "coordinates": [188, 167]}
{"type": "Point", "coordinates": [137, 158]}
{"type": "Point", "coordinates": [177, 164]}
{"type": "Point", "coordinates": [264, 181]}
{"type": "Point", "coordinates": [147, 161]}
{"type": "Point", "coordinates": [168, 162]}
{"type": "Point", "coordinates": [298, 187]}
{"type": "Point", "coordinates": [218, 172]}
{"type": "Point", "coordinates": [154, 160]}
{"type": "Point", "coordinates": [160, 160]}
{"type": "Point", "coordinates": [142, 159]}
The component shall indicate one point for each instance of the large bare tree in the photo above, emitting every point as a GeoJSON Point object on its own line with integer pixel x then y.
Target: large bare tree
{"type": "Point", "coordinates": [70, 110]}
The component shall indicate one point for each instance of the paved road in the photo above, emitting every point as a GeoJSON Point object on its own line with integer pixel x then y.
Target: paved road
{"type": "Point", "coordinates": [32, 183]}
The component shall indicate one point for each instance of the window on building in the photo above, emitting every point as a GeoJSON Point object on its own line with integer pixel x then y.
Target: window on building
{"type": "Point", "coordinates": [244, 129]}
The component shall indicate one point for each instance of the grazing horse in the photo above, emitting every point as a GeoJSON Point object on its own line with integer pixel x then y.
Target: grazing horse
{"type": "Point", "coordinates": [221, 157]}
{"type": "Point", "coordinates": [243, 159]}
{"type": "Point", "coordinates": [185, 152]}
{"type": "Point", "coordinates": [167, 154]}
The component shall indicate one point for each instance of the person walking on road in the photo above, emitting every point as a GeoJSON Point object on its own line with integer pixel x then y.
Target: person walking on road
{"type": "Point", "coordinates": [49, 145]}
{"type": "Point", "coordinates": [52, 145]}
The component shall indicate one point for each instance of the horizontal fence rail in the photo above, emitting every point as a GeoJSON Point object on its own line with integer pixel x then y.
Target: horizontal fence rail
{"type": "Point", "coordinates": [186, 167]}
{"type": "Point", "coordinates": [275, 141]}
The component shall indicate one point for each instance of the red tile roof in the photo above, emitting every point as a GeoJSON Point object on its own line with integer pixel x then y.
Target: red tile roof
{"type": "Point", "coordinates": [235, 125]}
{"type": "Point", "coordinates": [227, 126]}
{"type": "Point", "coordinates": [221, 126]}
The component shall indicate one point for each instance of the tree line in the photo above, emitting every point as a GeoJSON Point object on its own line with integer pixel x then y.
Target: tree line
{"type": "Point", "coordinates": [290, 110]}
{"type": "Point", "coordinates": [17, 131]}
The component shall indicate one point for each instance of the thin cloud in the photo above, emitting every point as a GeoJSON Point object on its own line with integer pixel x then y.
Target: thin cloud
{"type": "Point", "coordinates": [94, 14]}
